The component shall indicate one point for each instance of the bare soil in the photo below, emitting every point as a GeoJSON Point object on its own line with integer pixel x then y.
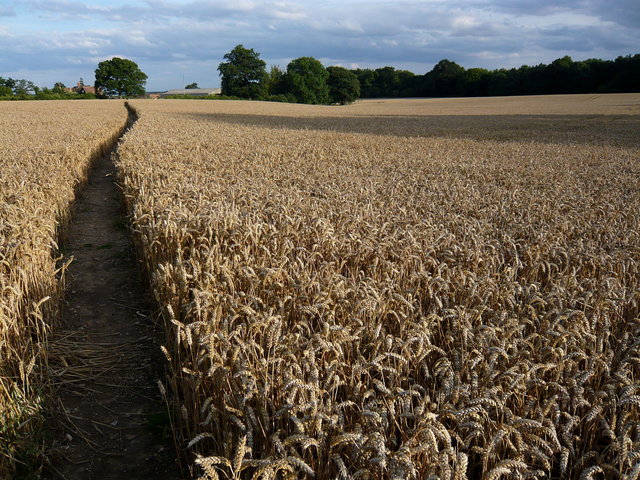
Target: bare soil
{"type": "Point", "coordinates": [110, 420]}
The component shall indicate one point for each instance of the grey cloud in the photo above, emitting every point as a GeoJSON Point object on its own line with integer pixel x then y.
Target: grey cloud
{"type": "Point", "coordinates": [581, 39]}
{"type": "Point", "coordinates": [194, 36]}
{"type": "Point", "coordinates": [537, 7]}
{"type": "Point", "coordinates": [153, 11]}
{"type": "Point", "coordinates": [66, 8]}
{"type": "Point", "coordinates": [7, 11]}
{"type": "Point", "coordinates": [477, 32]}
{"type": "Point", "coordinates": [623, 12]}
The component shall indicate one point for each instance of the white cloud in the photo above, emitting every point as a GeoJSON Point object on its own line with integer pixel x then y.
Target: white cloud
{"type": "Point", "coordinates": [138, 38]}
{"type": "Point", "coordinates": [88, 44]}
{"type": "Point", "coordinates": [414, 34]}
{"type": "Point", "coordinates": [284, 15]}
{"type": "Point", "coordinates": [464, 21]}
{"type": "Point", "coordinates": [239, 5]}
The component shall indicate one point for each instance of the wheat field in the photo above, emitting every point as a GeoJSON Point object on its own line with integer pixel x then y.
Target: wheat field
{"type": "Point", "coordinates": [46, 151]}
{"type": "Point", "coordinates": [402, 289]}
{"type": "Point", "coordinates": [395, 289]}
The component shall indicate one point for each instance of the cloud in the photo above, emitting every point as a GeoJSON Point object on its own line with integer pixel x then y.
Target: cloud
{"type": "Point", "coordinates": [621, 12]}
{"type": "Point", "coordinates": [537, 7]}
{"type": "Point", "coordinates": [7, 11]}
{"type": "Point", "coordinates": [167, 36]}
{"type": "Point", "coordinates": [66, 9]}
{"type": "Point", "coordinates": [580, 39]}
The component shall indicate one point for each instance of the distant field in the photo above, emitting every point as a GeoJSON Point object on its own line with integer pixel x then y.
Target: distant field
{"type": "Point", "coordinates": [397, 289]}
{"type": "Point", "coordinates": [594, 119]}
{"type": "Point", "coordinates": [591, 104]}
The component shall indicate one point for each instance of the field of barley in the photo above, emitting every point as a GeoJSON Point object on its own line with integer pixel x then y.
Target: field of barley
{"type": "Point", "coordinates": [402, 289]}
{"type": "Point", "coordinates": [45, 153]}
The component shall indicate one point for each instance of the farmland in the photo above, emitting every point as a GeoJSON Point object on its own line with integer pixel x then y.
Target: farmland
{"type": "Point", "coordinates": [396, 289]}
{"type": "Point", "coordinates": [45, 155]}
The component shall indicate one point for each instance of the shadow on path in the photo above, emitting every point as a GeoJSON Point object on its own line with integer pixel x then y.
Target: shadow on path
{"type": "Point", "coordinates": [104, 358]}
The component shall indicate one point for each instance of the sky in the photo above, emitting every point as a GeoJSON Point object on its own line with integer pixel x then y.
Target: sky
{"type": "Point", "coordinates": [177, 42]}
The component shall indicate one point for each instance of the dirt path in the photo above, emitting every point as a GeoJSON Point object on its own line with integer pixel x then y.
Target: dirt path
{"type": "Point", "coordinates": [112, 422]}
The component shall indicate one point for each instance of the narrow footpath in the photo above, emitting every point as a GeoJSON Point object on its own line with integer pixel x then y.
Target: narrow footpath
{"type": "Point", "coordinates": [111, 422]}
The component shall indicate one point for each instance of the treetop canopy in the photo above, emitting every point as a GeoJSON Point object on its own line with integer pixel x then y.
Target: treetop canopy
{"type": "Point", "coordinates": [121, 77]}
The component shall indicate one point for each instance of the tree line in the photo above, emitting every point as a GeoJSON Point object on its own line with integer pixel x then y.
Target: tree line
{"type": "Point", "coordinates": [305, 80]}
{"type": "Point", "coordinates": [562, 76]}
{"type": "Point", "coordinates": [13, 89]}
{"type": "Point", "coordinates": [116, 77]}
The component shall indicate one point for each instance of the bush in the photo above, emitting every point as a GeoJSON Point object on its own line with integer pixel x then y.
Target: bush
{"type": "Point", "coordinates": [280, 97]}
{"type": "Point", "coordinates": [208, 97]}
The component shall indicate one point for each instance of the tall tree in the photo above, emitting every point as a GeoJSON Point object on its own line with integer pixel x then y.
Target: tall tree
{"type": "Point", "coordinates": [406, 83]}
{"type": "Point", "coordinates": [388, 81]}
{"type": "Point", "coordinates": [15, 87]}
{"type": "Point", "coordinates": [8, 82]}
{"type": "Point", "coordinates": [59, 87]}
{"type": "Point", "coordinates": [120, 77]}
{"type": "Point", "coordinates": [344, 86]}
{"type": "Point", "coordinates": [367, 78]}
{"type": "Point", "coordinates": [243, 74]}
{"type": "Point", "coordinates": [24, 87]}
{"type": "Point", "coordinates": [475, 82]}
{"type": "Point", "coordinates": [276, 81]}
{"type": "Point", "coordinates": [307, 80]}
{"type": "Point", "coordinates": [447, 76]}
{"type": "Point", "coordinates": [627, 77]}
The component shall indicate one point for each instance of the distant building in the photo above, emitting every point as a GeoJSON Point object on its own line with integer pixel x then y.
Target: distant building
{"type": "Point", "coordinates": [193, 92]}
{"type": "Point", "coordinates": [81, 88]}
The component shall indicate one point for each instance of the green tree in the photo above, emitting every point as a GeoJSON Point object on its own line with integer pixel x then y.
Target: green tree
{"type": "Point", "coordinates": [120, 77]}
{"type": "Point", "coordinates": [8, 82]}
{"type": "Point", "coordinates": [344, 86]}
{"type": "Point", "coordinates": [59, 88]}
{"type": "Point", "coordinates": [6, 87]}
{"type": "Point", "coordinates": [23, 88]}
{"type": "Point", "coordinates": [387, 81]}
{"type": "Point", "coordinates": [307, 79]}
{"type": "Point", "coordinates": [475, 82]}
{"type": "Point", "coordinates": [534, 79]}
{"type": "Point", "coordinates": [559, 74]}
{"type": "Point", "coordinates": [627, 76]}
{"type": "Point", "coordinates": [243, 74]}
{"type": "Point", "coordinates": [406, 83]}
{"type": "Point", "coordinates": [447, 75]}
{"type": "Point", "coordinates": [276, 81]}
{"type": "Point", "coordinates": [367, 78]}
{"type": "Point", "coordinates": [192, 86]}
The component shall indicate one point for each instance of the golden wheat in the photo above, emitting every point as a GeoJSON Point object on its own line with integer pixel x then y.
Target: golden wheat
{"type": "Point", "coordinates": [377, 292]}
{"type": "Point", "coordinates": [46, 151]}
